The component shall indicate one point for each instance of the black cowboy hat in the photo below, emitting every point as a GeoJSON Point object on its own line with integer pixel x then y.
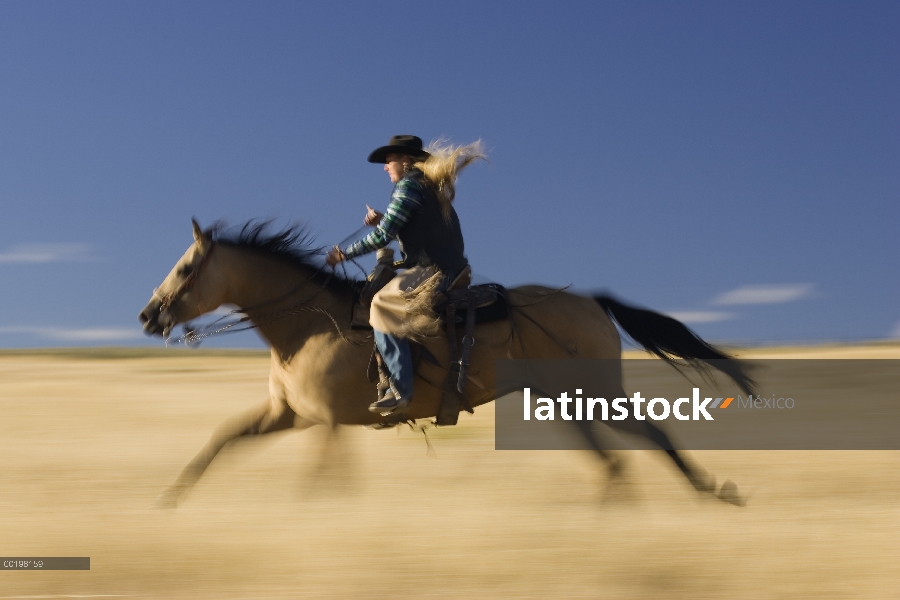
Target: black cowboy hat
{"type": "Point", "coordinates": [408, 145]}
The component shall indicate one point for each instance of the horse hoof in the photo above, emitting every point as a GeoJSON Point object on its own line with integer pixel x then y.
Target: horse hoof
{"type": "Point", "coordinates": [620, 491]}
{"type": "Point", "coordinates": [704, 482]}
{"type": "Point", "coordinates": [165, 501]}
{"type": "Point", "coordinates": [616, 468]}
{"type": "Point", "coordinates": [729, 493]}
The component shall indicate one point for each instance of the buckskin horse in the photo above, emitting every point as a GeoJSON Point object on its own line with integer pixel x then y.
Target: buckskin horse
{"type": "Point", "coordinates": [319, 364]}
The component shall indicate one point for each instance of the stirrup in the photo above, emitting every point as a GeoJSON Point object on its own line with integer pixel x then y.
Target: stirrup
{"type": "Point", "coordinates": [381, 426]}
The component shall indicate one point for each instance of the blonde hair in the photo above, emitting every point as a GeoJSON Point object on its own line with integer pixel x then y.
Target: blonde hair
{"type": "Point", "coordinates": [445, 164]}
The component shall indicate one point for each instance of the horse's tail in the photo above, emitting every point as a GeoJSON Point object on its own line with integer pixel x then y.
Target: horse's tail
{"type": "Point", "coordinates": [671, 340]}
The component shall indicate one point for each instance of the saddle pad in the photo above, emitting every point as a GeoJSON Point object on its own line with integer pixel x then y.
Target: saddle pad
{"type": "Point", "coordinates": [490, 301]}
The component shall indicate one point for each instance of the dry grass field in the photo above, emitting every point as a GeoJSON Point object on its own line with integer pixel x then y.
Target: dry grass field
{"type": "Point", "coordinates": [89, 438]}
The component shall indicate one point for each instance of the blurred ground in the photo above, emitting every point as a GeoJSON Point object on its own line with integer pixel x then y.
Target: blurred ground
{"type": "Point", "coordinates": [88, 439]}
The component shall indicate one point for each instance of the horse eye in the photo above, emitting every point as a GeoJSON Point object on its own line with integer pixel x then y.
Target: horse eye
{"type": "Point", "coordinates": [185, 270]}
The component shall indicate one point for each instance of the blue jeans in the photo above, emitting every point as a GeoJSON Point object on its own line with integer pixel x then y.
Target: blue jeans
{"type": "Point", "coordinates": [398, 360]}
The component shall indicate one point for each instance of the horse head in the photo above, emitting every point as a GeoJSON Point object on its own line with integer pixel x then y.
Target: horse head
{"type": "Point", "coordinates": [191, 288]}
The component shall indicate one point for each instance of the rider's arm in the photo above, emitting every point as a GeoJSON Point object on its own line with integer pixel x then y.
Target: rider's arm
{"type": "Point", "coordinates": [406, 199]}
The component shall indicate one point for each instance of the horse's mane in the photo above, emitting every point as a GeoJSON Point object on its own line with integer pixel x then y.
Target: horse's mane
{"type": "Point", "coordinates": [293, 244]}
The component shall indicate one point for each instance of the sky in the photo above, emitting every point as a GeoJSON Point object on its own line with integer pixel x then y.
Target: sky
{"type": "Point", "coordinates": [733, 164]}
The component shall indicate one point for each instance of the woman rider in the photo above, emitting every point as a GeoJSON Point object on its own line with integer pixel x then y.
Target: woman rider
{"type": "Point", "coordinates": [421, 218]}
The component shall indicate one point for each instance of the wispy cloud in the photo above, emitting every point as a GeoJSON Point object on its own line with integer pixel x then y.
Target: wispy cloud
{"type": "Point", "coordinates": [896, 332]}
{"type": "Point", "coordinates": [700, 316]}
{"type": "Point", "coordinates": [765, 294]}
{"type": "Point", "coordinates": [47, 253]}
{"type": "Point", "coordinates": [86, 334]}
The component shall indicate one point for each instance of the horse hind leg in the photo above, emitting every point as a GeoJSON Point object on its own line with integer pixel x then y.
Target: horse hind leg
{"type": "Point", "coordinates": [615, 465]}
{"type": "Point", "coordinates": [267, 418]}
{"type": "Point", "coordinates": [618, 487]}
{"type": "Point", "coordinates": [702, 481]}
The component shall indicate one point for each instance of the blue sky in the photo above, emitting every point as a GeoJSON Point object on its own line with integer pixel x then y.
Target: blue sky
{"type": "Point", "coordinates": [734, 164]}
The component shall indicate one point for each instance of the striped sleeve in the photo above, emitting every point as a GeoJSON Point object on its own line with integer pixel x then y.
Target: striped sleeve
{"type": "Point", "coordinates": [406, 199]}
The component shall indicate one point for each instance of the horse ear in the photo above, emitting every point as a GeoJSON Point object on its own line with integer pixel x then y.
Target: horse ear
{"type": "Point", "coordinates": [199, 237]}
{"type": "Point", "coordinates": [202, 239]}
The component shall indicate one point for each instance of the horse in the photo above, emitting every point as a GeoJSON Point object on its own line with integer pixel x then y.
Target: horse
{"type": "Point", "coordinates": [318, 376]}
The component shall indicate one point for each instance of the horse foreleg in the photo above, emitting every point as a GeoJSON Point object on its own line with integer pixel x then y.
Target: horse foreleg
{"type": "Point", "coordinates": [267, 418]}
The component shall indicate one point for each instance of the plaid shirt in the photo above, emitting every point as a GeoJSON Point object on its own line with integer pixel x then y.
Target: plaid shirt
{"type": "Point", "coordinates": [406, 200]}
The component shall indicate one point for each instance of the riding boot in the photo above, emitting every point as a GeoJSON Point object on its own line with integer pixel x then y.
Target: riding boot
{"type": "Point", "coordinates": [384, 376]}
{"type": "Point", "coordinates": [397, 359]}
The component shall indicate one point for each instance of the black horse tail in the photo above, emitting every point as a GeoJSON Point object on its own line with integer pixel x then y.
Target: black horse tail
{"type": "Point", "coordinates": [672, 341]}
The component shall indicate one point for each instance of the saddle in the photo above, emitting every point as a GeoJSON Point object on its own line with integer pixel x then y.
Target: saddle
{"type": "Point", "coordinates": [460, 304]}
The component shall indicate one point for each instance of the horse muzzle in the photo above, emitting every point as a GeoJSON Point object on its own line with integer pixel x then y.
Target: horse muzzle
{"type": "Point", "coordinates": [155, 321]}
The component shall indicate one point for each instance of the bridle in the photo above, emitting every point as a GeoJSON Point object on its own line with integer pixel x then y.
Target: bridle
{"type": "Point", "coordinates": [194, 336]}
{"type": "Point", "coordinates": [167, 300]}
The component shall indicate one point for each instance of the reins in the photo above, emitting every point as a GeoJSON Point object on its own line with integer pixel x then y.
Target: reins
{"type": "Point", "coordinates": [196, 335]}
{"type": "Point", "coordinates": [253, 318]}
{"type": "Point", "coordinates": [193, 336]}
